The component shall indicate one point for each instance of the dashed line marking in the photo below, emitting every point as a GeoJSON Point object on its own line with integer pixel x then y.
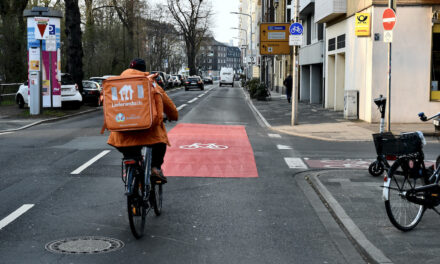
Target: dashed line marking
{"type": "Point", "coordinates": [295, 163]}
{"type": "Point", "coordinates": [274, 135]}
{"type": "Point", "coordinates": [193, 100]}
{"type": "Point", "coordinates": [283, 147]}
{"type": "Point", "coordinates": [90, 162]}
{"type": "Point", "coordinates": [181, 107]}
{"type": "Point", "coordinates": [14, 215]}
{"type": "Point", "coordinates": [200, 95]}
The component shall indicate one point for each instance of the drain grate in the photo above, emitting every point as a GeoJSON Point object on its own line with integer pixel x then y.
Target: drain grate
{"type": "Point", "coordinates": [84, 245]}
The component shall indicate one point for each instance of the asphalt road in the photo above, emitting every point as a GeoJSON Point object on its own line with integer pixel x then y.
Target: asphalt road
{"type": "Point", "coordinates": [268, 219]}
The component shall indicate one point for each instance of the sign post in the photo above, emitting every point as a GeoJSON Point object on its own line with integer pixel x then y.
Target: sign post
{"type": "Point", "coordinates": [44, 58]}
{"type": "Point", "coordinates": [296, 30]}
{"type": "Point", "coordinates": [389, 21]}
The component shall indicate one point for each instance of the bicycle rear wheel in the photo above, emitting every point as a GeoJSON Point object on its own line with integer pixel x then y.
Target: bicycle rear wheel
{"type": "Point", "coordinates": [137, 210]}
{"type": "Point", "coordinates": [156, 196]}
{"type": "Point", "coordinates": [403, 214]}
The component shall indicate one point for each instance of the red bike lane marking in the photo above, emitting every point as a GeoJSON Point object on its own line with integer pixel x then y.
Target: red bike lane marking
{"type": "Point", "coordinates": [199, 150]}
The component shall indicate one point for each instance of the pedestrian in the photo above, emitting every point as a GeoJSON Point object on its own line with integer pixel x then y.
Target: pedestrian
{"type": "Point", "coordinates": [288, 84]}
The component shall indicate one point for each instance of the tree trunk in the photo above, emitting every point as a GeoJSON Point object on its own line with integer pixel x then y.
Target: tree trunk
{"type": "Point", "coordinates": [13, 29]}
{"type": "Point", "coordinates": [74, 44]}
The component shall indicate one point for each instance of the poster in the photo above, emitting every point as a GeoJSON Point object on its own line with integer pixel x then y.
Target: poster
{"type": "Point", "coordinates": [34, 59]}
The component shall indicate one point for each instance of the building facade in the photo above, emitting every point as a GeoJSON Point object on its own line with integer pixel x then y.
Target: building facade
{"type": "Point", "coordinates": [355, 64]}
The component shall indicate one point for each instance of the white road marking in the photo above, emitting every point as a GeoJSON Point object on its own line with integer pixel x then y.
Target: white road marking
{"type": "Point", "coordinates": [181, 107]}
{"type": "Point", "coordinates": [5, 133]}
{"type": "Point", "coordinates": [295, 163]}
{"type": "Point", "coordinates": [274, 135]}
{"type": "Point", "coordinates": [200, 95]}
{"type": "Point", "coordinates": [90, 162]}
{"type": "Point", "coordinates": [14, 215]}
{"type": "Point", "coordinates": [283, 147]}
{"type": "Point", "coordinates": [193, 100]}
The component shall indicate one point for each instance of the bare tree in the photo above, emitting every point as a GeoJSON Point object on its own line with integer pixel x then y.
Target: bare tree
{"type": "Point", "coordinates": [74, 44]}
{"type": "Point", "coordinates": [192, 17]}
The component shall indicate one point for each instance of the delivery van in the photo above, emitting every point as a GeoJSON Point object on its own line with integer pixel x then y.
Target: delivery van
{"type": "Point", "coordinates": [227, 76]}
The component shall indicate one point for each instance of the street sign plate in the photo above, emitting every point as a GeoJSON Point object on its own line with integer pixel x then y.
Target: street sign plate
{"type": "Point", "coordinates": [295, 40]}
{"type": "Point", "coordinates": [363, 24]}
{"type": "Point", "coordinates": [296, 29]}
{"type": "Point", "coordinates": [274, 38]}
{"type": "Point", "coordinates": [389, 19]}
{"type": "Point", "coordinates": [388, 36]}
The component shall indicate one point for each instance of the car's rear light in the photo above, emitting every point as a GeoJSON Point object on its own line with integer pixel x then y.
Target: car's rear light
{"type": "Point", "coordinates": [76, 86]}
{"type": "Point", "coordinates": [199, 81]}
{"type": "Point", "coordinates": [126, 162]}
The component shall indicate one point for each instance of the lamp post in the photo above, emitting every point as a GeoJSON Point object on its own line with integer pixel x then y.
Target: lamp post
{"type": "Point", "coordinates": [251, 47]}
{"type": "Point", "coordinates": [248, 71]}
{"type": "Point", "coordinates": [245, 51]}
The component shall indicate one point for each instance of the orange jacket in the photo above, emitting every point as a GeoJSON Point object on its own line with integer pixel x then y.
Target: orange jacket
{"type": "Point", "coordinates": [153, 135]}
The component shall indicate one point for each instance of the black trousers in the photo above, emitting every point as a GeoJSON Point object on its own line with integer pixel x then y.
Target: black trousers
{"type": "Point", "coordinates": [158, 154]}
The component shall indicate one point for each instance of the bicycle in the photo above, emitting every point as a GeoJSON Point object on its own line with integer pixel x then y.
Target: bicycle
{"type": "Point", "coordinates": [409, 187]}
{"type": "Point", "coordinates": [142, 193]}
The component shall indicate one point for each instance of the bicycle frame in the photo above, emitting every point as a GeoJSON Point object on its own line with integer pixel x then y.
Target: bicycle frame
{"type": "Point", "coordinates": [130, 166]}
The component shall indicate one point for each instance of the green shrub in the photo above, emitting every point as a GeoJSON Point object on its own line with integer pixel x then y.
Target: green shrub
{"type": "Point", "coordinates": [252, 86]}
{"type": "Point", "coordinates": [261, 92]}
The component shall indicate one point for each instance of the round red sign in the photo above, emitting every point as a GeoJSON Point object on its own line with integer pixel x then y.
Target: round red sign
{"type": "Point", "coordinates": [389, 19]}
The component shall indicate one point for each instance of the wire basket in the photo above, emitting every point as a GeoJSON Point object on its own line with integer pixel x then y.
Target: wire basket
{"type": "Point", "coordinates": [397, 145]}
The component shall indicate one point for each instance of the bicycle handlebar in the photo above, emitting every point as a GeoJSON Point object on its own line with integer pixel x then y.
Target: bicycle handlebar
{"type": "Point", "coordinates": [423, 117]}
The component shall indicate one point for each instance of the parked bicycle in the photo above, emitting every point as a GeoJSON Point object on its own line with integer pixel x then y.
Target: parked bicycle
{"type": "Point", "coordinates": [142, 193]}
{"type": "Point", "coordinates": [409, 187]}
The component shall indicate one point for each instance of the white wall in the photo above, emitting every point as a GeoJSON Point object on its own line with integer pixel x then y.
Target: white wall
{"type": "Point", "coordinates": [411, 64]}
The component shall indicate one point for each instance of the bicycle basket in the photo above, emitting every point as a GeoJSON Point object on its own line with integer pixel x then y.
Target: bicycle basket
{"type": "Point", "coordinates": [399, 145]}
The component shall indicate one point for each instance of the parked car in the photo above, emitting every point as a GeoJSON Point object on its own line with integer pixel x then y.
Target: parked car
{"type": "Point", "coordinates": [92, 93]}
{"type": "Point", "coordinates": [181, 78]}
{"type": "Point", "coordinates": [194, 82]}
{"type": "Point", "coordinates": [176, 80]}
{"type": "Point", "coordinates": [164, 77]}
{"type": "Point", "coordinates": [160, 81]}
{"type": "Point", "coordinates": [69, 93]}
{"type": "Point", "coordinates": [170, 82]}
{"type": "Point", "coordinates": [207, 80]}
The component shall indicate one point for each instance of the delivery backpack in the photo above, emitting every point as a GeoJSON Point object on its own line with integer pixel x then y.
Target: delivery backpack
{"type": "Point", "coordinates": [131, 103]}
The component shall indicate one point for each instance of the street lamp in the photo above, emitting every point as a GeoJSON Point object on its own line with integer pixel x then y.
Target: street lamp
{"type": "Point", "coordinates": [244, 14]}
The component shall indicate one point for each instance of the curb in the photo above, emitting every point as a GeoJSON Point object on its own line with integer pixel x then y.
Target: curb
{"type": "Point", "coordinates": [48, 121]}
{"type": "Point", "coordinates": [349, 227]}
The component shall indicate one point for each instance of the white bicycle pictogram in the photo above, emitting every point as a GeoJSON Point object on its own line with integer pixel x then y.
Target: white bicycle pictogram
{"type": "Point", "coordinates": [204, 146]}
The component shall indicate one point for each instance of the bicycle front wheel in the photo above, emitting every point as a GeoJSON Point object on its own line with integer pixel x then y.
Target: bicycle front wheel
{"type": "Point", "coordinates": [403, 214]}
{"type": "Point", "coordinates": [137, 210]}
{"type": "Point", "coordinates": [157, 198]}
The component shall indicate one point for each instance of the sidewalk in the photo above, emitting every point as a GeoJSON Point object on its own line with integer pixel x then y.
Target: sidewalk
{"type": "Point", "coordinates": [322, 124]}
{"type": "Point", "coordinates": [353, 197]}
{"type": "Point", "coordinates": [13, 118]}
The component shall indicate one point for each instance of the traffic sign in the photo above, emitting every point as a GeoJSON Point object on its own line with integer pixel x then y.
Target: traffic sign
{"type": "Point", "coordinates": [296, 29]}
{"type": "Point", "coordinates": [274, 39]}
{"type": "Point", "coordinates": [388, 19]}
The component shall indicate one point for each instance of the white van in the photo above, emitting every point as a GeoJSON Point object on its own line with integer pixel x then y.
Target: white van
{"type": "Point", "coordinates": [227, 76]}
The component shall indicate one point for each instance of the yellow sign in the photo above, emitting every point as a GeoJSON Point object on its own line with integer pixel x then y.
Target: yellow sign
{"type": "Point", "coordinates": [362, 24]}
{"type": "Point", "coordinates": [274, 38]}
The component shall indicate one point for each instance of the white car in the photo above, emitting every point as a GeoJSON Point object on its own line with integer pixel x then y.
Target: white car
{"type": "Point", "coordinates": [69, 93]}
{"type": "Point", "coordinates": [227, 76]}
{"type": "Point", "coordinates": [176, 80]}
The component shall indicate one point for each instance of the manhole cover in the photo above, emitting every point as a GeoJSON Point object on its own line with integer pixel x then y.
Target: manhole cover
{"type": "Point", "coordinates": [84, 245]}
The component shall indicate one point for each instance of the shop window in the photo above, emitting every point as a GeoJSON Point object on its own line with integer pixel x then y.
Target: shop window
{"type": "Point", "coordinates": [435, 63]}
{"type": "Point", "coordinates": [341, 41]}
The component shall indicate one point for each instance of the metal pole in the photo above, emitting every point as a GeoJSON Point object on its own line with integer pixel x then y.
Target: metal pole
{"type": "Point", "coordinates": [40, 85]}
{"type": "Point", "coordinates": [390, 49]}
{"type": "Point", "coordinates": [295, 78]}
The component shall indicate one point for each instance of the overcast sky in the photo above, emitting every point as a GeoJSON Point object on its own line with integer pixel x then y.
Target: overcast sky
{"type": "Point", "coordinates": [222, 20]}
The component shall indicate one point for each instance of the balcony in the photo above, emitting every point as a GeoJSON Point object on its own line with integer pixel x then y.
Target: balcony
{"type": "Point", "coordinates": [311, 54]}
{"type": "Point", "coordinates": [304, 5]}
{"type": "Point", "coordinates": [326, 10]}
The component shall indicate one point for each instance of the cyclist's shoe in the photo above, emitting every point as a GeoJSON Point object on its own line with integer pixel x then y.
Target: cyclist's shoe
{"type": "Point", "coordinates": [157, 176]}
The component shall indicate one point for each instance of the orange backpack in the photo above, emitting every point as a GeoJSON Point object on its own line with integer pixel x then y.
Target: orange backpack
{"type": "Point", "coordinates": [130, 103]}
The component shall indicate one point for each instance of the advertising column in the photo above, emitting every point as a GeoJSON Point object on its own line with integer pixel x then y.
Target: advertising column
{"type": "Point", "coordinates": [44, 56]}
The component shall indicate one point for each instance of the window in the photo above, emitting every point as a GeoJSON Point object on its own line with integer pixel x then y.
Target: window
{"type": "Point", "coordinates": [332, 44]}
{"type": "Point", "coordinates": [435, 63]}
{"type": "Point", "coordinates": [341, 41]}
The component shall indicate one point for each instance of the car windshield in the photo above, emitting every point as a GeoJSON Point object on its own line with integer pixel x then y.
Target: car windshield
{"type": "Point", "coordinates": [67, 80]}
{"type": "Point", "coordinates": [89, 85]}
{"type": "Point", "coordinates": [99, 81]}
{"type": "Point", "coordinates": [226, 73]}
{"type": "Point", "coordinates": [193, 79]}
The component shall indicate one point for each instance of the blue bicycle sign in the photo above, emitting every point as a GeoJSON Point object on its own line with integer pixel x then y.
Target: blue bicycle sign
{"type": "Point", "coordinates": [296, 29]}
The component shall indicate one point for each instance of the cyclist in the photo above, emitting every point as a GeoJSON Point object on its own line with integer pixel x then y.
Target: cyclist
{"type": "Point", "coordinates": [130, 143]}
